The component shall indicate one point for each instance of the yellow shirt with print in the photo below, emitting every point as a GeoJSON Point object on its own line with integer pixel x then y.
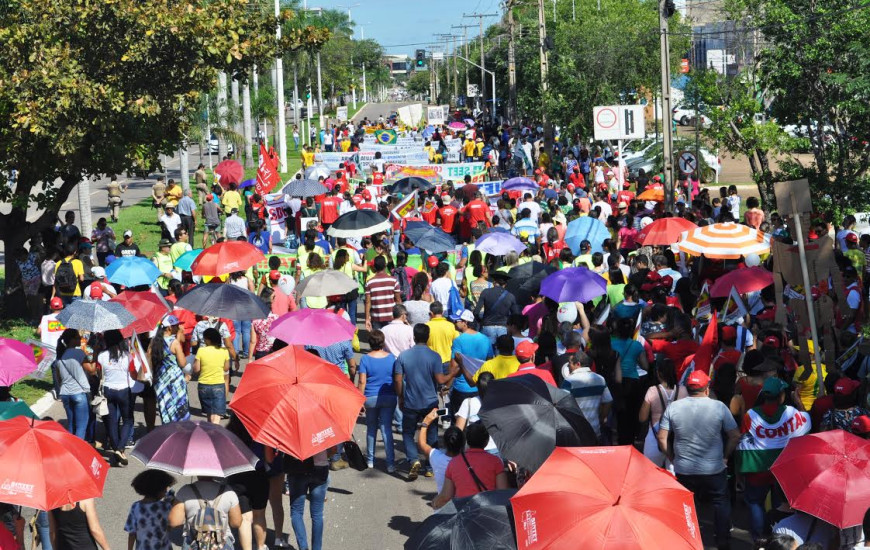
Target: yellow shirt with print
{"type": "Point", "coordinates": [211, 364]}
{"type": "Point", "coordinates": [173, 195]}
{"type": "Point", "coordinates": [441, 336]}
{"type": "Point", "coordinates": [500, 366]}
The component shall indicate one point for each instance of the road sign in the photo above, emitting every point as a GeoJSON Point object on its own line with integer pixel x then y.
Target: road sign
{"type": "Point", "coordinates": [341, 114]}
{"type": "Point", "coordinates": [619, 122]}
{"type": "Point", "coordinates": [472, 90]}
{"type": "Point", "coordinates": [687, 161]}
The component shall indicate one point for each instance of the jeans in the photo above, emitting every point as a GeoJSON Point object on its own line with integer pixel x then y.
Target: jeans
{"type": "Point", "coordinates": [410, 419]}
{"type": "Point", "coordinates": [77, 408]}
{"type": "Point", "coordinates": [715, 488]}
{"type": "Point", "coordinates": [755, 497]}
{"type": "Point", "coordinates": [42, 529]}
{"type": "Point", "coordinates": [300, 487]}
{"type": "Point", "coordinates": [242, 342]}
{"type": "Point", "coordinates": [120, 410]}
{"type": "Point", "coordinates": [492, 332]}
{"type": "Point", "coordinates": [350, 308]}
{"type": "Point", "coordinates": [379, 414]}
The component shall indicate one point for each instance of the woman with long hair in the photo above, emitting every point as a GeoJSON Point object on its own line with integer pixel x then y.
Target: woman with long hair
{"type": "Point", "coordinates": [655, 402]}
{"type": "Point", "coordinates": [167, 357]}
{"type": "Point", "coordinates": [418, 305]}
{"type": "Point", "coordinates": [118, 385]}
{"type": "Point", "coordinates": [632, 358]}
{"type": "Point", "coordinates": [375, 383]}
{"type": "Point", "coordinates": [252, 489]}
{"type": "Point", "coordinates": [606, 363]}
{"type": "Point", "coordinates": [71, 383]}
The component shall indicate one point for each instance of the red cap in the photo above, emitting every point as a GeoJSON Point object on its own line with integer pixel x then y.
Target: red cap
{"type": "Point", "coordinates": [56, 303]}
{"type": "Point", "coordinates": [526, 349]}
{"type": "Point", "coordinates": [861, 425]}
{"type": "Point", "coordinates": [772, 341]}
{"type": "Point", "coordinates": [571, 188]}
{"type": "Point", "coordinates": [367, 195]}
{"type": "Point", "coordinates": [851, 238]}
{"type": "Point", "coordinates": [846, 386]}
{"type": "Point", "coordinates": [697, 380]}
{"type": "Point", "coordinates": [274, 275]}
{"type": "Point", "coordinates": [433, 261]}
{"type": "Point", "coordinates": [96, 291]}
{"type": "Point", "coordinates": [729, 333]}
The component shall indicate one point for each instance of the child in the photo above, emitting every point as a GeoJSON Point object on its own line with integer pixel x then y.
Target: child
{"type": "Point", "coordinates": [717, 207]}
{"type": "Point", "coordinates": [734, 202]}
{"type": "Point", "coordinates": [148, 520]}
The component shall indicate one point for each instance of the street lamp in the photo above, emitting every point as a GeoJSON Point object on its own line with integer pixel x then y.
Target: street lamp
{"type": "Point", "coordinates": [362, 31]}
{"type": "Point", "coordinates": [492, 74]}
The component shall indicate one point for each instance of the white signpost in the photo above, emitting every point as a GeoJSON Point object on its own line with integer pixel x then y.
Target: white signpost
{"type": "Point", "coordinates": [619, 122]}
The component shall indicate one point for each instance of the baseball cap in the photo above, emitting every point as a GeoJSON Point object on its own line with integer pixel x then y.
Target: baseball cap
{"type": "Point", "coordinates": [729, 334]}
{"type": "Point", "coordinates": [128, 233]}
{"type": "Point", "coordinates": [774, 386]}
{"type": "Point", "coordinates": [526, 349]}
{"type": "Point", "coordinates": [463, 315]}
{"type": "Point", "coordinates": [861, 424]}
{"type": "Point", "coordinates": [432, 261]}
{"type": "Point", "coordinates": [851, 238]}
{"type": "Point", "coordinates": [621, 205]}
{"type": "Point", "coordinates": [645, 221]}
{"type": "Point", "coordinates": [274, 275]}
{"type": "Point", "coordinates": [234, 211]}
{"type": "Point", "coordinates": [846, 386]}
{"type": "Point", "coordinates": [164, 242]}
{"type": "Point", "coordinates": [772, 341]}
{"type": "Point", "coordinates": [170, 321]}
{"type": "Point", "coordinates": [98, 272]}
{"type": "Point", "coordinates": [96, 291]}
{"type": "Point", "coordinates": [698, 379]}
{"type": "Point", "coordinates": [56, 303]}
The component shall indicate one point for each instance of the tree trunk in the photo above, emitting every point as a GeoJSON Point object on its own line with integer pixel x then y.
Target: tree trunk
{"type": "Point", "coordinates": [87, 221]}
{"type": "Point", "coordinates": [246, 116]}
{"type": "Point", "coordinates": [222, 113]}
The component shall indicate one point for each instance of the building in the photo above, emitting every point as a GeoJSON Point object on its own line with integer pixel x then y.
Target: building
{"type": "Point", "coordinates": [399, 65]}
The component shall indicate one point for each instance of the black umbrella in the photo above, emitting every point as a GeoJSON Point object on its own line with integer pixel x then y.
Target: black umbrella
{"type": "Point", "coordinates": [528, 418]}
{"type": "Point", "coordinates": [304, 188]}
{"type": "Point", "coordinates": [429, 238]}
{"type": "Point", "coordinates": [224, 300]}
{"type": "Point", "coordinates": [409, 184]}
{"type": "Point", "coordinates": [358, 223]}
{"type": "Point", "coordinates": [480, 522]}
{"type": "Point", "coordinates": [526, 280]}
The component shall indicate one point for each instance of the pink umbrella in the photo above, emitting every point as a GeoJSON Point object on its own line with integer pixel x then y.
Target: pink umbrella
{"type": "Point", "coordinates": [745, 280]}
{"type": "Point", "coordinates": [456, 126]}
{"type": "Point", "coordinates": [229, 171]}
{"type": "Point", "coordinates": [312, 327]}
{"type": "Point", "coordinates": [192, 448]}
{"type": "Point", "coordinates": [16, 361]}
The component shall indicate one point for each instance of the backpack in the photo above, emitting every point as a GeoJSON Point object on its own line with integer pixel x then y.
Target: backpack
{"type": "Point", "coordinates": [454, 302]}
{"type": "Point", "coordinates": [210, 525]}
{"type": "Point", "coordinates": [401, 276]}
{"type": "Point", "coordinates": [65, 278]}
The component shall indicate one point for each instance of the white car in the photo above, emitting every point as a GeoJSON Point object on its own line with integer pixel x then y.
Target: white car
{"type": "Point", "coordinates": [685, 116]}
{"type": "Point", "coordinates": [213, 146]}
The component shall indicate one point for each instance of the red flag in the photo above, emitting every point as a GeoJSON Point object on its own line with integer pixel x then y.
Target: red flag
{"type": "Point", "coordinates": [267, 173]}
{"type": "Point", "coordinates": [704, 354]}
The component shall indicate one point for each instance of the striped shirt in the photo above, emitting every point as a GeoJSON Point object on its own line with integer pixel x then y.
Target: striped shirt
{"type": "Point", "coordinates": [381, 289]}
{"type": "Point", "coordinates": [590, 391]}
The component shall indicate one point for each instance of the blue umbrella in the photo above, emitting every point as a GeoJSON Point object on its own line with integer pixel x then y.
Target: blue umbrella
{"type": "Point", "coordinates": [428, 132]}
{"type": "Point", "coordinates": [518, 184]}
{"type": "Point", "coordinates": [132, 271]}
{"type": "Point", "coordinates": [574, 284]}
{"type": "Point", "coordinates": [184, 261]}
{"type": "Point", "coordinates": [499, 244]}
{"type": "Point", "coordinates": [247, 183]}
{"type": "Point", "coordinates": [429, 238]}
{"type": "Point", "coordinates": [589, 229]}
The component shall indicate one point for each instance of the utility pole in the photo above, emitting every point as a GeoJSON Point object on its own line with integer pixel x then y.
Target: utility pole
{"type": "Point", "coordinates": [279, 91]}
{"type": "Point", "coordinates": [222, 113]}
{"type": "Point", "coordinates": [480, 17]}
{"type": "Point", "coordinates": [545, 85]}
{"type": "Point", "coordinates": [465, 43]}
{"type": "Point", "coordinates": [455, 72]}
{"type": "Point", "coordinates": [512, 66]}
{"type": "Point", "coordinates": [667, 127]}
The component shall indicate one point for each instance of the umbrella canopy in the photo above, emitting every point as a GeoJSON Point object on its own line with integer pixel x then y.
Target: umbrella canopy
{"type": "Point", "coordinates": [499, 244]}
{"type": "Point", "coordinates": [297, 402]}
{"type": "Point", "coordinates": [11, 409]}
{"type": "Point", "coordinates": [224, 300]}
{"type": "Point", "coordinates": [226, 257]}
{"type": "Point", "coordinates": [826, 475]}
{"type": "Point", "coordinates": [145, 306]}
{"type": "Point", "coordinates": [724, 241]}
{"type": "Point", "coordinates": [519, 183]}
{"type": "Point", "coordinates": [574, 284]}
{"type": "Point", "coordinates": [95, 316]}
{"type": "Point", "coordinates": [328, 282]}
{"type": "Point", "coordinates": [656, 194]}
{"type": "Point", "coordinates": [528, 418]}
{"type": "Point", "coordinates": [469, 121]}
{"type": "Point", "coordinates": [185, 261]}
{"type": "Point", "coordinates": [748, 279]}
{"type": "Point", "coordinates": [456, 125]}
{"type": "Point", "coordinates": [312, 327]}
{"type": "Point", "coordinates": [664, 231]}
{"type": "Point", "coordinates": [317, 171]}
{"type": "Point", "coordinates": [18, 361]}
{"type": "Point", "coordinates": [430, 238]}
{"type": "Point", "coordinates": [194, 448]}
{"type": "Point", "coordinates": [409, 184]}
{"type": "Point", "coordinates": [304, 188]}
{"type": "Point", "coordinates": [229, 171]}
{"type": "Point", "coordinates": [526, 280]}
{"type": "Point", "coordinates": [248, 183]}
{"type": "Point", "coordinates": [589, 229]}
{"type": "Point", "coordinates": [624, 500]}
{"type": "Point", "coordinates": [359, 223]}
{"type": "Point", "coordinates": [132, 271]}
{"type": "Point", "coordinates": [482, 521]}
{"type": "Point", "coordinates": [45, 467]}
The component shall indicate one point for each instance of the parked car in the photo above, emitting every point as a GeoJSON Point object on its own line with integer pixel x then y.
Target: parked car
{"type": "Point", "coordinates": [685, 116]}
{"type": "Point", "coordinates": [213, 146]}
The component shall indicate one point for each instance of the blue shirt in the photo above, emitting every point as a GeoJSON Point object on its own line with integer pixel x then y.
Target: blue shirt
{"type": "Point", "coordinates": [261, 242]}
{"type": "Point", "coordinates": [337, 353]}
{"type": "Point", "coordinates": [629, 351]}
{"type": "Point", "coordinates": [185, 207]}
{"type": "Point", "coordinates": [379, 375]}
{"type": "Point", "coordinates": [419, 365]}
{"type": "Point", "coordinates": [476, 346]}
{"type": "Point", "coordinates": [528, 225]}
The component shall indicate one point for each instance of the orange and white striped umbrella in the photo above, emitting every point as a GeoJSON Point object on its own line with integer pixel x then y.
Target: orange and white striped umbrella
{"type": "Point", "coordinates": [724, 241]}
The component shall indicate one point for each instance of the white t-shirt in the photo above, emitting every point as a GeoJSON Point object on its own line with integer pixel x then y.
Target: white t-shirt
{"type": "Point", "coordinates": [441, 290]}
{"type": "Point", "coordinates": [50, 330]}
{"type": "Point", "coordinates": [116, 374]}
{"type": "Point", "coordinates": [606, 210]}
{"type": "Point", "coordinates": [469, 411]}
{"type": "Point", "coordinates": [209, 491]}
{"type": "Point", "coordinates": [171, 222]}
{"type": "Point", "coordinates": [533, 207]}
{"type": "Point", "coordinates": [439, 461]}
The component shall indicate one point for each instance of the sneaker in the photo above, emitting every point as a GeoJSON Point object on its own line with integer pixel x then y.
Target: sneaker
{"type": "Point", "coordinates": [280, 542]}
{"type": "Point", "coordinates": [428, 473]}
{"type": "Point", "coordinates": [339, 464]}
{"type": "Point", "coordinates": [370, 464]}
{"type": "Point", "coordinates": [391, 469]}
{"type": "Point", "coordinates": [414, 472]}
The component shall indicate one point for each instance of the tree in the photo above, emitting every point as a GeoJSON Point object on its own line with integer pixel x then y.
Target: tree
{"type": "Point", "coordinates": [418, 84]}
{"type": "Point", "coordinates": [87, 88]}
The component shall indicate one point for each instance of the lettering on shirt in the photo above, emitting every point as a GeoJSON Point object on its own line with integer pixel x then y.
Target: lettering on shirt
{"type": "Point", "coordinates": [791, 425]}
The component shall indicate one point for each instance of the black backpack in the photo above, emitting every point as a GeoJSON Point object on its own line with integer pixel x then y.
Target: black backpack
{"type": "Point", "coordinates": [65, 278]}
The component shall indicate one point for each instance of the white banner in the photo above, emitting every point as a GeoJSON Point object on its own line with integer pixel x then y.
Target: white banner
{"type": "Point", "coordinates": [341, 114]}
{"type": "Point", "coordinates": [277, 217]}
{"type": "Point", "coordinates": [364, 159]}
{"type": "Point", "coordinates": [435, 114]}
{"type": "Point", "coordinates": [401, 141]}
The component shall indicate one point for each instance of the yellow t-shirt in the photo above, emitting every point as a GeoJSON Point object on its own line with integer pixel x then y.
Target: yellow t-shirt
{"type": "Point", "coordinates": [345, 146]}
{"type": "Point", "coordinates": [500, 366]}
{"type": "Point", "coordinates": [230, 200]}
{"type": "Point", "coordinates": [307, 158]}
{"type": "Point", "coordinates": [173, 195]}
{"type": "Point", "coordinates": [79, 269]}
{"type": "Point", "coordinates": [468, 146]}
{"type": "Point", "coordinates": [441, 336]}
{"type": "Point", "coordinates": [211, 364]}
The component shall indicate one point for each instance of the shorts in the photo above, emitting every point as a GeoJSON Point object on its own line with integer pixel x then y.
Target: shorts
{"type": "Point", "coordinates": [252, 489]}
{"type": "Point", "coordinates": [212, 398]}
{"type": "Point", "coordinates": [211, 226]}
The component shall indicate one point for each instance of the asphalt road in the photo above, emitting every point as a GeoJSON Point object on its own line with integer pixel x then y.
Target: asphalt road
{"type": "Point", "coordinates": [373, 110]}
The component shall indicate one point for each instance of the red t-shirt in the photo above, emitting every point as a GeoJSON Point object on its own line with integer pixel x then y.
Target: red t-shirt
{"type": "Point", "coordinates": [553, 251]}
{"type": "Point", "coordinates": [377, 178]}
{"type": "Point", "coordinates": [329, 209]}
{"type": "Point", "coordinates": [531, 369]}
{"type": "Point", "coordinates": [477, 211]}
{"type": "Point", "coordinates": [357, 199]}
{"type": "Point", "coordinates": [624, 196]}
{"type": "Point", "coordinates": [448, 218]}
{"type": "Point", "coordinates": [578, 180]}
{"type": "Point", "coordinates": [486, 466]}
{"type": "Point", "coordinates": [430, 216]}
{"type": "Point", "coordinates": [367, 206]}
{"type": "Point", "coordinates": [675, 351]}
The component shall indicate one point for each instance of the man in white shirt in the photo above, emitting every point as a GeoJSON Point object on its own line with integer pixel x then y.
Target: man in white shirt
{"type": "Point", "coordinates": [534, 207]}
{"type": "Point", "coordinates": [661, 265]}
{"type": "Point", "coordinates": [170, 220]}
{"type": "Point", "coordinates": [588, 388]}
{"type": "Point", "coordinates": [603, 206]}
{"type": "Point", "coordinates": [442, 284]}
{"type": "Point", "coordinates": [398, 334]}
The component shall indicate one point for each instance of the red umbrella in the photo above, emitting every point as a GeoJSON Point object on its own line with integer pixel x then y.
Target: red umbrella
{"type": "Point", "coordinates": [604, 498]}
{"type": "Point", "coordinates": [664, 231]}
{"type": "Point", "coordinates": [45, 467]}
{"type": "Point", "coordinates": [827, 475]}
{"type": "Point", "coordinates": [145, 306]}
{"type": "Point", "coordinates": [229, 171]}
{"type": "Point", "coordinates": [297, 402]}
{"type": "Point", "coordinates": [745, 280]}
{"type": "Point", "coordinates": [226, 257]}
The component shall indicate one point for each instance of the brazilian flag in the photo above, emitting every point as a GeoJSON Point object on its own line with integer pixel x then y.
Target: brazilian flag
{"type": "Point", "coordinates": [386, 137]}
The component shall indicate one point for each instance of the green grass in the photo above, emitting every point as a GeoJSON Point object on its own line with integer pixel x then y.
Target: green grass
{"type": "Point", "coordinates": [28, 390]}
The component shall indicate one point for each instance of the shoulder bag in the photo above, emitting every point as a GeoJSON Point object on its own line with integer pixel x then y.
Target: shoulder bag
{"type": "Point", "coordinates": [480, 486]}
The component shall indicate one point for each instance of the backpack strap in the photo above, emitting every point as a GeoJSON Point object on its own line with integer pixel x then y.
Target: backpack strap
{"type": "Point", "coordinates": [480, 486]}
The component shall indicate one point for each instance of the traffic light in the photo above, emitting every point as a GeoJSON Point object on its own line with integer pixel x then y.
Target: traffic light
{"type": "Point", "coordinates": [307, 93]}
{"type": "Point", "coordinates": [670, 8]}
{"type": "Point", "coordinates": [419, 59]}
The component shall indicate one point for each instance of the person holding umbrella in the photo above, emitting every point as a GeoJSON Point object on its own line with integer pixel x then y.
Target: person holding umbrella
{"type": "Point", "coordinates": [77, 526]}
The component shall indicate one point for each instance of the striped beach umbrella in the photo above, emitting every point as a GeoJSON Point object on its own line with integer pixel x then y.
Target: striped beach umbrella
{"type": "Point", "coordinates": [724, 241]}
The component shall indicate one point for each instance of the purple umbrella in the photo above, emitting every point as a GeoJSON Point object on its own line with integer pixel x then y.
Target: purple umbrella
{"type": "Point", "coordinates": [18, 361]}
{"type": "Point", "coordinates": [519, 183]}
{"type": "Point", "coordinates": [247, 183]}
{"type": "Point", "coordinates": [192, 448]}
{"type": "Point", "coordinates": [469, 121]}
{"type": "Point", "coordinates": [312, 327]}
{"type": "Point", "coordinates": [499, 244]}
{"type": "Point", "coordinates": [574, 284]}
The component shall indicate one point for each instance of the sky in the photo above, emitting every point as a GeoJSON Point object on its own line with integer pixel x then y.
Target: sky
{"type": "Point", "coordinates": [402, 26]}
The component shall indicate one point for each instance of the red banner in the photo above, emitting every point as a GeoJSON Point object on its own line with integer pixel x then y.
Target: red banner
{"type": "Point", "coordinates": [267, 173]}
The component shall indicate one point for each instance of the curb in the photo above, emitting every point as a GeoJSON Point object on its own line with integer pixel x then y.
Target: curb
{"type": "Point", "coordinates": [42, 405]}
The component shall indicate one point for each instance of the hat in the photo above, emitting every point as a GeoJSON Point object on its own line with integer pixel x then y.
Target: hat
{"type": "Point", "coordinates": [846, 386]}
{"type": "Point", "coordinates": [128, 233]}
{"type": "Point", "coordinates": [432, 261]}
{"type": "Point", "coordinates": [729, 333]}
{"type": "Point", "coordinates": [526, 349]}
{"type": "Point", "coordinates": [208, 197]}
{"type": "Point", "coordinates": [164, 242]}
{"type": "Point", "coordinates": [621, 205]}
{"type": "Point", "coordinates": [851, 238]}
{"type": "Point", "coordinates": [170, 206]}
{"type": "Point", "coordinates": [274, 275]}
{"type": "Point", "coordinates": [463, 315]}
{"type": "Point", "coordinates": [584, 244]}
{"type": "Point", "coordinates": [96, 291]}
{"type": "Point", "coordinates": [234, 211]}
{"type": "Point", "coordinates": [697, 380]}
{"type": "Point", "coordinates": [367, 195]}
{"type": "Point", "coordinates": [774, 386]}
{"type": "Point", "coordinates": [645, 221]}
{"type": "Point", "coordinates": [56, 303]}
{"type": "Point", "coordinates": [85, 245]}
{"type": "Point", "coordinates": [657, 178]}
{"type": "Point", "coordinates": [170, 321]}
{"type": "Point", "coordinates": [861, 424]}
{"type": "Point", "coordinates": [772, 341]}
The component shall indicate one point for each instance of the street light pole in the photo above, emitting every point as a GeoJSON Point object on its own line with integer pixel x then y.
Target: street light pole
{"type": "Point", "coordinates": [491, 74]}
{"type": "Point", "coordinates": [279, 91]}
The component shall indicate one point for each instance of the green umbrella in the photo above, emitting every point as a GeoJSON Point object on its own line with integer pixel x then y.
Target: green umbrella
{"type": "Point", "coordinates": [11, 409]}
{"type": "Point", "coordinates": [184, 261]}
